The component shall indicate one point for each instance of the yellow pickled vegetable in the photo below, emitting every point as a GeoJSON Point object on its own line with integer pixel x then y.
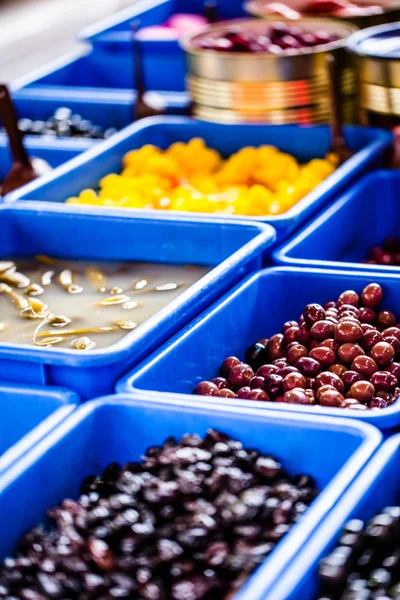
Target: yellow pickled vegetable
{"type": "Point", "coordinates": [191, 177]}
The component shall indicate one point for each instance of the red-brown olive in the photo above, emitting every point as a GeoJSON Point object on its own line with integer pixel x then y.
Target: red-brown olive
{"type": "Point", "coordinates": [364, 365]}
{"type": "Point", "coordinates": [372, 295]}
{"type": "Point", "coordinates": [348, 352]}
{"type": "Point", "coordinates": [348, 331]}
{"type": "Point", "coordinates": [382, 353]}
{"type": "Point", "coordinates": [327, 378]}
{"type": "Point", "coordinates": [321, 330]}
{"type": "Point", "coordinates": [363, 391]}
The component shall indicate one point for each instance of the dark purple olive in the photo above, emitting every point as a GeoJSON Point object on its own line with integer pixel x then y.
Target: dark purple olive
{"type": "Point", "coordinates": [303, 335]}
{"type": "Point", "coordinates": [367, 315]}
{"type": "Point", "coordinates": [273, 386]}
{"type": "Point", "coordinates": [313, 313]}
{"type": "Point", "coordinates": [308, 366]}
{"type": "Point", "coordinates": [256, 355]}
{"type": "Point", "coordinates": [257, 382]}
{"type": "Point", "coordinates": [350, 377]}
{"type": "Point", "coordinates": [394, 368]}
{"type": "Point", "coordinates": [383, 381]}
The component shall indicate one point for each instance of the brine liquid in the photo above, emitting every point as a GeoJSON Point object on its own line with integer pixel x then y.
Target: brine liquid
{"type": "Point", "coordinates": [139, 290]}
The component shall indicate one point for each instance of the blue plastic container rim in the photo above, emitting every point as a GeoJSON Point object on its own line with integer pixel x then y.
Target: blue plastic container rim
{"type": "Point", "coordinates": [68, 402]}
{"type": "Point", "coordinates": [372, 150]}
{"type": "Point", "coordinates": [281, 254]}
{"type": "Point", "coordinates": [358, 42]}
{"type": "Point", "coordinates": [119, 350]}
{"type": "Point", "coordinates": [127, 383]}
{"type": "Point", "coordinates": [324, 502]}
{"type": "Point", "coordinates": [119, 17]}
{"type": "Point", "coordinates": [336, 519]}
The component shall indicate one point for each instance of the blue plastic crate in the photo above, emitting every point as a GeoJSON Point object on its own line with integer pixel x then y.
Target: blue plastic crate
{"type": "Point", "coordinates": [104, 75]}
{"type": "Point", "coordinates": [255, 309]}
{"type": "Point", "coordinates": [120, 428]}
{"type": "Point", "coordinates": [106, 112]}
{"type": "Point", "coordinates": [27, 414]}
{"type": "Point", "coordinates": [164, 60]}
{"type": "Point", "coordinates": [55, 153]}
{"type": "Point", "coordinates": [230, 250]}
{"type": "Point", "coordinates": [342, 235]}
{"type": "Point", "coordinates": [378, 486]}
{"type": "Point", "coordinates": [303, 142]}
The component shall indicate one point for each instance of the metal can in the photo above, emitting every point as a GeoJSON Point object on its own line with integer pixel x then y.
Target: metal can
{"type": "Point", "coordinates": [368, 14]}
{"type": "Point", "coordinates": [376, 59]}
{"type": "Point", "coordinates": [251, 87]}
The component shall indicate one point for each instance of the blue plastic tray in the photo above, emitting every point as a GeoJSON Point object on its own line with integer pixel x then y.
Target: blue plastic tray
{"type": "Point", "coordinates": [27, 414]}
{"type": "Point", "coordinates": [255, 309]}
{"type": "Point", "coordinates": [234, 250]}
{"type": "Point", "coordinates": [120, 428]}
{"type": "Point", "coordinates": [55, 153]}
{"type": "Point", "coordinates": [103, 74]}
{"type": "Point", "coordinates": [106, 112]}
{"type": "Point", "coordinates": [304, 142]}
{"type": "Point", "coordinates": [342, 235]}
{"type": "Point", "coordinates": [164, 60]}
{"type": "Point", "coordinates": [378, 486]}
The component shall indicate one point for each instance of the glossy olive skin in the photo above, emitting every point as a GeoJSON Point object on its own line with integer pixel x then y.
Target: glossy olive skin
{"type": "Point", "coordinates": [348, 347]}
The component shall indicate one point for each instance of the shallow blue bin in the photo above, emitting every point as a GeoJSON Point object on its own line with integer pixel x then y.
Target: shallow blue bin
{"type": "Point", "coordinates": [255, 309]}
{"type": "Point", "coordinates": [303, 142]}
{"type": "Point", "coordinates": [342, 235]}
{"type": "Point", "coordinates": [103, 74]}
{"type": "Point", "coordinates": [119, 428]}
{"type": "Point", "coordinates": [54, 153]}
{"type": "Point", "coordinates": [27, 414]}
{"type": "Point", "coordinates": [378, 486]}
{"type": "Point", "coordinates": [162, 59]}
{"type": "Point", "coordinates": [106, 112]}
{"type": "Point", "coordinates": [230, 250]}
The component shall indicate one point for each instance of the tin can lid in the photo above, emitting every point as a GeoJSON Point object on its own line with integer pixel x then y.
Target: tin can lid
{"type": "Point", "coordinates": [382, 41]}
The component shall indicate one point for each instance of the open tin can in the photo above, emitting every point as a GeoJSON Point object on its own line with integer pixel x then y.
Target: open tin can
{"type": "Point", "coordinates": [364, 13]}
{"type": "Point", "coordinates": [376, 54]}
{"type": "Point", "coordinates": [262, 87]}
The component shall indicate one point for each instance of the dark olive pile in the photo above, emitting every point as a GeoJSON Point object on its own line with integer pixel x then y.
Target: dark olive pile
{"type": "Point", "coordinates": [388, 254]}
{"type": "Point", "coordinates": [189, 522]}
{"type": "Point", "coordinates": [365, 565]}
{"type": "Point", "coordinates": [342, 355]}
{"type": "Point", "coordinates": [65, 123]}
